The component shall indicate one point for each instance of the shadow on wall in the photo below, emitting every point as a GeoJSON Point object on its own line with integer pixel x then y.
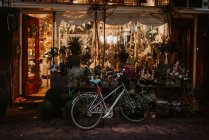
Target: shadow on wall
{"type": "Point", "coordinates": [5, 50]}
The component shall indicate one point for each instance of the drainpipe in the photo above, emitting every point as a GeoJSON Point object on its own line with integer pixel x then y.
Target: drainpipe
{"type": "Point", "coordinates": [54, 32]}
{"type": "Point", "coordinates": [195, 49]}
{"type": "Point", "coordinates": [20, 60]}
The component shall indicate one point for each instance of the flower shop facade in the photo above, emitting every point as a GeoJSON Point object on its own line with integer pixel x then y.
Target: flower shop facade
{"type": "Point", "coordinates": [153, 38]}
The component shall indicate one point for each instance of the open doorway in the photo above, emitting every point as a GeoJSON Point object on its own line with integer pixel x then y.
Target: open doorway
{"type": "Point", "coordinates": [37, 40]}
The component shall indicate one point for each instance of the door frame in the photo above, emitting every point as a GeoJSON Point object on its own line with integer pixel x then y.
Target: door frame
{"type": "Point", "coordinates": [30, 31]}
{"type": "Point", "coordinates": [23, 11]}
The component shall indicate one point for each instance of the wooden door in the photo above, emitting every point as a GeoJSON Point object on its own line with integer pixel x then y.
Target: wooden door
{"type": "Point", "coordinates": [202, 82]}
{"type": "Point", "coordinates": [182, 34]}
{"type": "Point", "coordinates": [30, 58]}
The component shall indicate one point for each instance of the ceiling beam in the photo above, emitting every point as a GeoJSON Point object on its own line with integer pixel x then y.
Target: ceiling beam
{"type": "Point", "coordinates": [119, 9]}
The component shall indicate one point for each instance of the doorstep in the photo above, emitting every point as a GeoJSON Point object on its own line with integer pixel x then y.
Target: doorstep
{"type": "Point", "coordinates": [28, 103]}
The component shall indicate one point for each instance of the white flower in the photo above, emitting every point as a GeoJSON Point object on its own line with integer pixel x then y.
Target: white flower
{"type": "Point", "coordinates": [54, 68]}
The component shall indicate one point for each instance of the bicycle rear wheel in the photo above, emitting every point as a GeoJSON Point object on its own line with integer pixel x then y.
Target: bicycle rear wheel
{"type": "Point", "coordinates": [82, 116]}
{"type": "Point", "coordinates": [134, 107]}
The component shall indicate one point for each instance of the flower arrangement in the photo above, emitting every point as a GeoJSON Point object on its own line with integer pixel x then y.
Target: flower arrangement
{"type": "Point", "coordinates": [75, 73]}
{"type": "Point", "coordinates": [77, 76]}
{"type": "Point", "coordinates": [176, 74]}
{"type": "Point", "coordinates": [54, 69]}
{"type": "Point", "coordinates": [129, 72]}
{"type": "Point", "coordinates": [145, 74]}
{"type": "Point", "coordinates": [189, 104]}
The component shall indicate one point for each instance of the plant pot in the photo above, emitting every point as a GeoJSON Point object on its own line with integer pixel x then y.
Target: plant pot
{"type": "Point", "coordinates": [58, 81]}
{"type": "Point", "coordinates": [123, 57]}
{"type": "Point", "coordinates": [74, 61]}
{"type": "Point", "coordinates": [74, 83]}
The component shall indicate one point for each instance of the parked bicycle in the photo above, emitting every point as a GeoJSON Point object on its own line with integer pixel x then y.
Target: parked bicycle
{"type": "Point", "coordinates": [89, 108]}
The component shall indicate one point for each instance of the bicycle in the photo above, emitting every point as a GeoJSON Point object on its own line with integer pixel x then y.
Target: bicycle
{"type": "Point", "coordinates": [89, 108]}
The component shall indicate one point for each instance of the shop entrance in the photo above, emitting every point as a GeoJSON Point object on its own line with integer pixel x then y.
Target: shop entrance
{"type": "Point", "coordinates": [37, 40]}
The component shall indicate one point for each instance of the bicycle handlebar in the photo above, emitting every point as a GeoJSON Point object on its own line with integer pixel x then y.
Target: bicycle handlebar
{"type": "Point", "coordinates": [118, 75]}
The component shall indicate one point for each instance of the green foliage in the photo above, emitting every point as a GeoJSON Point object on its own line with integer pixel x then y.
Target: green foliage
{"type": "Point", "coordinates": [75, 45]}
{"type": "Point", "coordinates": [85, 58]}
{"type": "Point", "coordinates": [63, 50]}
{"type": "Point", "coordinates": [46, 108]}
{"type": "Point", "coordinates": [4, 102]}
{"type": "Point", "coordinates": [162, 110]}
{"type": "Point", "coordinates": [58, 96]}
{"type": "Point", "coordinates": [75, 73]}
{"type": "Point", "coordinates": [160, 72]}
{"type": "Point", "coordinates": [166, 45]}
{"type": "Point", "coordinates": [53, 52]}
{"type": "Point", "coordinates": [189, 103]}
{"type": "Point", "coordinates": [150, 96]}
{"type": "Point", "coordinates": [67, 108]}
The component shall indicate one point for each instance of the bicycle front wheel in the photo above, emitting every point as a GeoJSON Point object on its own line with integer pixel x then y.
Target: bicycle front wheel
{"type": "Point", "coordinates": [134, 107]}
{"type": "Point", "coordinates": [81, 114]}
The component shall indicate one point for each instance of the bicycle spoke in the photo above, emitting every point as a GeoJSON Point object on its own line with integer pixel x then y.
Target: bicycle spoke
{"type": "Point", "coordinates": [82, 116]}
{"type": "Point", "coordinates": [134, 107]}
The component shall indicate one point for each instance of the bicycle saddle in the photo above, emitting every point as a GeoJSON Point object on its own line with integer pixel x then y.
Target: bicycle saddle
{"type": "Point", "coordinates": [95, 81]}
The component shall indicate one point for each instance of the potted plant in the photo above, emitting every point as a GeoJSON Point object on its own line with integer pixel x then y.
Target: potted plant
{"type": "Point", "coordinates": [189, 105]}
{"type": "Point", "coordinates": [162, 108]}
{"type": "Point", "coordinates": [139, 2]}
{"type": "Point", "coordinates": [75, 75]}
{"type": "Point", "coordinates": [63, 55]}
{"type": "Point", "coordinates": [52, 53]}
{"type": "Point", "coordinates": [74, 45]}
{"type": "Point", "coordinates": [55, 99]}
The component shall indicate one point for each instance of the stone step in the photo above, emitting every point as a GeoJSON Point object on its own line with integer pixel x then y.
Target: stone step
{"type": "Point", "coordinates": [28, 102]}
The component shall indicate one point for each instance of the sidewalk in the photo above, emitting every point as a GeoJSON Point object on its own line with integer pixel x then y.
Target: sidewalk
{"type": "Point", "coordinates": [26, 124]}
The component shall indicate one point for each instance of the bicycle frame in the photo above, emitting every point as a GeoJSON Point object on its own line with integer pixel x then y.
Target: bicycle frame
{"type": "Point", "coordinates": [93, 106]}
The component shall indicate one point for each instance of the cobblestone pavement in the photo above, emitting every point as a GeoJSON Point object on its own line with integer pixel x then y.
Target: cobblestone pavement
{"type": "Point", "coordinates": [26, 124]}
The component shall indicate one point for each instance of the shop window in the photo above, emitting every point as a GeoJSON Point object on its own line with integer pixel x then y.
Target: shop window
{"type": "Point", "coordinates": [195, 3]}
{"type": "Point", "coordinates": [180, 3]}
